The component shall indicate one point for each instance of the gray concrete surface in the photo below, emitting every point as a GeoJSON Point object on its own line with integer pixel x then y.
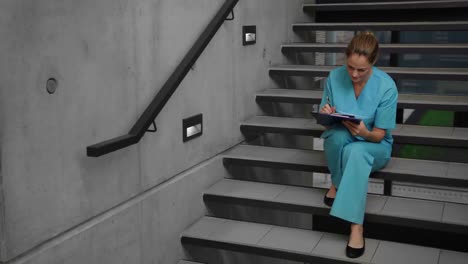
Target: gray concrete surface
{"type": "Point", "coordinates": [110, 57]}
{"type": "Point", "coordinates": [145, 229]}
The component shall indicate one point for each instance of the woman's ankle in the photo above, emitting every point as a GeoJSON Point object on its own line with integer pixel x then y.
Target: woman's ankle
{"type": "Point", "coordinates": [331, 193]}
{"type": "Point", "coordinates": [356, 236]}
{"type": "Point", "coordinates": [357, 228]}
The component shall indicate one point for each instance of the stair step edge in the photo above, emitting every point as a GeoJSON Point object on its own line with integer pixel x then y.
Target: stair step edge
{"type": "Point", "coordinates": [385, 5]}
{"type": "Point", "coordinates": [403, 134]}
{"type": "Point", "coordinates": [302, 245]}
{"type": "Point", "coordinates": [442, 216]}
{"type": "Point", "coordinates": [398, 169]}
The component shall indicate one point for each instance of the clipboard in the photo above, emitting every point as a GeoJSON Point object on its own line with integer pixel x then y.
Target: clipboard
{"type": "Point", "coordinates": [331, 119]}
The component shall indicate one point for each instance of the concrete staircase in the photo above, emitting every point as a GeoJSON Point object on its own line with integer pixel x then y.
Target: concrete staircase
{"type": "Point", "coordinates": [271, 208]}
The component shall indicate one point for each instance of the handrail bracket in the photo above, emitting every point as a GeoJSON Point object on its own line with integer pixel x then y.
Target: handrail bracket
{"type": "Point", "coordinates": [154, 129]}
{"type": "Point", "coordinates": [232, 16]}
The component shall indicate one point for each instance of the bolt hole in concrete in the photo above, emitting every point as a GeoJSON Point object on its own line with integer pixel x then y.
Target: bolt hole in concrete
{"type": "Point", "coordinates": [51, 85]}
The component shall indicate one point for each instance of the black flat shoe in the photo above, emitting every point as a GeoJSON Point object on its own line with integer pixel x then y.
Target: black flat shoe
{"type": "Point", "coordinates": [328, 201]}
{"type": "Point", "coordinates": [355, 252]}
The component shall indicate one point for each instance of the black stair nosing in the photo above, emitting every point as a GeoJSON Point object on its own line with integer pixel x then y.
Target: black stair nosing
{"type": "Point", "coordinates": [364, 1]}
{"type": "Point", "coordinates": [383, 48]}
{"type": "Point", "coordinates": [451, 74]}
{"type": "Point", "coordinates": [410, 101]}
{"type": "Point", "coordinates": [183, 261]}
{"type": "Point", "coordinates": [308, 127]}
{"type": "Point", "coordinates": [384, 26]}
{"type": "Point", "coordinates": [324, 210]}
{"type": "Point", "coordinates": [316, 163]}
{"type": "Point", "coordinates": [270, 124]}
{"type": "Point", "coordinates": [275, 252]}
{"type": "Point", "coordinates": [385, 5]}
{"type": "Point", "coordinates": [254, 249]}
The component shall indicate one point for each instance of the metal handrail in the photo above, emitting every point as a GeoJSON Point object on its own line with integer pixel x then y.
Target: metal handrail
{"type": "Point", "coordinates": [160, 100]}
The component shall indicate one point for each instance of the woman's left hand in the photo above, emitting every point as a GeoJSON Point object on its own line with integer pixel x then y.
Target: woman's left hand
{"type": "Point", "coordinates": [356, 129]}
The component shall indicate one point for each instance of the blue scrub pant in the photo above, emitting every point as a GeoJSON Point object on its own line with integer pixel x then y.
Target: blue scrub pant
{"type": "Point", "coordinates": [350, 162]}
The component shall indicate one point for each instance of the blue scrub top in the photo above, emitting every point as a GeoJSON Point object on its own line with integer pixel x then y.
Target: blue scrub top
{"type": "Point", "coordinates": [376, 105]}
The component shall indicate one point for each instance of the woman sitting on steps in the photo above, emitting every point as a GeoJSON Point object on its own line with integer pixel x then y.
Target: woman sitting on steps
{"type": "Point", "coordinates": [353, 151]}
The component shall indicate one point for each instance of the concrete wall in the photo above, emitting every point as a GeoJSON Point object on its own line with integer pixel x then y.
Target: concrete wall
{"type": "Point", "coordinates": [110, 57]}
{"type": "Point", "coordinates": [145, 229]}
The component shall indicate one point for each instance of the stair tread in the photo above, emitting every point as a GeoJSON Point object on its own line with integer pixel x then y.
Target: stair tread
{"type": "Point", "coordinates": [411, 211]}
{"type": "Point", "coordinates": [452, 48]}
{"type": "Point", "coordinates": [413, 101]}
{"type": "Point", "coordinates": [283, 122]}
{"type": "Point", "coordinates": [393, 71]}
{"type": "Point", "coordinates": [395, 26]}
{"type": "Point", "coordinates": [390, 23]}
{"type": "Point", "coordinates": [398, 169]}
{"type": "Point", "coordinates": [306, 245]}
{"type": "Point", "coordinates": [398, 5]}
{"type": "Point", "coordinates": [188, 262]}
{"type": "Point", "coordinates": [429, 135]}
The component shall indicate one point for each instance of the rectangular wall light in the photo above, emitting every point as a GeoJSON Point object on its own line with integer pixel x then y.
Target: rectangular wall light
{"type": "Point", "coordinates": [249, 35]}
{"type": "Point", "coordinates": [192, 127]}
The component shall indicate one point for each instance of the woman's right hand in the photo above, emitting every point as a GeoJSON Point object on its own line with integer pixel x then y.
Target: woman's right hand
{"type": "Point", "coordinates": [326, 109]}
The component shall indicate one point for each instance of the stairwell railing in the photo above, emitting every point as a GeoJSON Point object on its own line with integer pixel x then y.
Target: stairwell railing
{"type": "Point", "coordinates": [154, 108]}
